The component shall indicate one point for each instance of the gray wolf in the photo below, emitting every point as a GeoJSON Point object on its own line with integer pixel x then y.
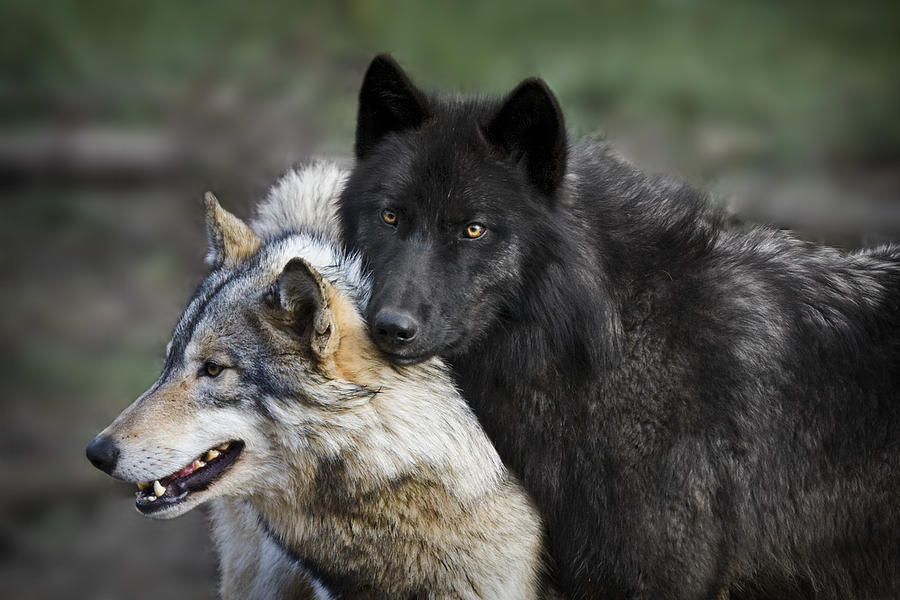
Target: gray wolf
{"type": "Point", "coordinates": [696, 410]}
{"type": "Point", "coordinates": [325, 463]}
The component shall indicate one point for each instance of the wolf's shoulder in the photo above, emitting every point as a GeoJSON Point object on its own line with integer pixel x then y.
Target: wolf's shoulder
{"type": "Point", "coordinates": [642, 217]}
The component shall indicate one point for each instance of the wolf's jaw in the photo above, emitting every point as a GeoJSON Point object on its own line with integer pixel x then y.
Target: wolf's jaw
{"type": "Point", "coordinates": [202, 472]}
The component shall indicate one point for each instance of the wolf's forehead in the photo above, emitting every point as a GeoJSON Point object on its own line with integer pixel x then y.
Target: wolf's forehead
{"type": "Point", "coordinates": [218, 299]}
{"type": "Point", "coordinates": [233, 299]}
{"type": "Point", "coordinates": [229, 287]}
{"type": "Point", "coordinates": [447, 178]}
{"type": "Point", "coordinates": [224, 294]}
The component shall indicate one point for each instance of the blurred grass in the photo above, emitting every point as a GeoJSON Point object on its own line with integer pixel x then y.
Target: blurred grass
{"type": "Point", "coordinates": [53, 373]}
{"type": "Point", "coordinates": [813, 76]}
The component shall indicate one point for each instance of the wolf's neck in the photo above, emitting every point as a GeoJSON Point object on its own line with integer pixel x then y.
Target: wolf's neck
{"type": "Point", "coordinates": [417, 447]}
{"type": "Point", "coordinates": [564, 324]}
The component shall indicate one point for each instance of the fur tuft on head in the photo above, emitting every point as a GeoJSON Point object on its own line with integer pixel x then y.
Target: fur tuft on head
{"type": "Point", "coordinates": [303, 199]}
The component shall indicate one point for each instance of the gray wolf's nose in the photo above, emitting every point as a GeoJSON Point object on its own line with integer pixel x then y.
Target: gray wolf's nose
{"type": "Point", "coordinates": [103, 453]}
{"type": "Point", "coordinates": [394, 327]}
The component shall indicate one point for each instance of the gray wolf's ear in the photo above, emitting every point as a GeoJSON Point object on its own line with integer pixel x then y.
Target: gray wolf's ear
{"type": "Point", "coordinates": [230, 240]}
{"type": "Point", "coordinates": [529, 127]}
{"type": "Point", "coordinates": [301, 291]}
{"type": "Point", "coordinates": [388, 103]}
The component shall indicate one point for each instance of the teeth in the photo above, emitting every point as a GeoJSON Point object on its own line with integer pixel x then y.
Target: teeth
{"type": "Point", "coordinates": [158, 489]}
{"type": "Point", "coordinates": [223, 447]}
{"type": "Point", "coordinates": [143, 485]}
{"type": "Point", "coordinates": [198, 464]}
{"type": "Point", "coordinates": [212, 454]}
{"type": "Point", "coordinates": [151, 498]}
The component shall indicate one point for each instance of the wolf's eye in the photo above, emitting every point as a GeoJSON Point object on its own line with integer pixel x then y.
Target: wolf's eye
{"type": "Point", "coordinates": [389, 217]}
{"type": "Point", "coordinates": [474, 230]}
{"type": "Point", "coordinates": [211, 369]}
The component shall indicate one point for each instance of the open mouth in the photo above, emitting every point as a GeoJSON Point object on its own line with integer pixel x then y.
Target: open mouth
{"type": "Point", "coordinates": [202, 472]}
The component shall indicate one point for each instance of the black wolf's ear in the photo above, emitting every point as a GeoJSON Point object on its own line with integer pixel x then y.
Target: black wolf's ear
{"type": "Point", "coordinates": [388, 103]}
{"type": "Point", "coordinates": [529, 126]}
{"type": "Point", "coordinates": [230, 240]}
{"type": "Point", "coordinates": [301, 291]}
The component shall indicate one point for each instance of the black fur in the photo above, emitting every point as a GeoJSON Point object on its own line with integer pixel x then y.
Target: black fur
{"type": "Point", "coordinates": [695, 409]}
{"type": "Point", "coordinates": [389, 103]}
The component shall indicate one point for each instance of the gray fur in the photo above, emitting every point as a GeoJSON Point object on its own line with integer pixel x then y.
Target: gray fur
{"type": "Point", "coordinates": [370, 480]}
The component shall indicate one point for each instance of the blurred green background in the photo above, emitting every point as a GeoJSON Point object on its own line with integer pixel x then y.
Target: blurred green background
{"type": "Point", "coordinates": [115, 117]}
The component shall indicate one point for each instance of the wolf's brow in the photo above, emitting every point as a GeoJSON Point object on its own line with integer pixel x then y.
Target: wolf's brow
{"type": "Point", "coordinates": [184, 331]}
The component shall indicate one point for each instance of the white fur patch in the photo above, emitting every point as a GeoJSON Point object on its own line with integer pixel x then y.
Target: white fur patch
{"type": "Point", "coordinates": [304, 198]}
{"type": "Point", "coordinates": [415, 423]}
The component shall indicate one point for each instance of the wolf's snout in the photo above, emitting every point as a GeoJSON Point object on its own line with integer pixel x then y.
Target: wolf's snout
{"type": "Point", "coordinates": [103, 453]}
{"type": "Point", "coordinates": [395, 328]}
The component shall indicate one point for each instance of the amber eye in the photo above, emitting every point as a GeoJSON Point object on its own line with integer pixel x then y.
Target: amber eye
{"type": "Point", "coordinates": [389, 217]}
{"type": "Point", "coordinates": [211, 369]}
{"type": "Point", "coordinates": [474, 230]}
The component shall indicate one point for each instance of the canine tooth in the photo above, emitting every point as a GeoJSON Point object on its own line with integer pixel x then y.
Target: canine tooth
{"type": "Point", "coordinates": [212, 454]}
{"type": "Point", "coordinates": [224, 446]}
{"type": "Point", "coordinates": [158, 488]}
{"type": "Point", "coordinates": [143, 485]}
{"type": "Point", "coordinates": [199, 464]}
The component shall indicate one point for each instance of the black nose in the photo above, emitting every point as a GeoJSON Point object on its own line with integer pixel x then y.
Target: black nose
{"type": "Point", "coordinates": [103, 454]}
{"type": "Point", "coordinates": [395, 328]}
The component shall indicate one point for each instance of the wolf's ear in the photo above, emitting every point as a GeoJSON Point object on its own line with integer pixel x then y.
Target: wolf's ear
{"type": "Point", "coordinates": [388, 103]}
{"type": "Point", "coordinates": [529, 127]}
{"type": "Point", "coordinates": [230, 240]}
{"type": "Point", "coordinates": [301, 291]}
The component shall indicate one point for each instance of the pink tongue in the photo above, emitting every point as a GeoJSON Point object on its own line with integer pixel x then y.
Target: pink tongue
{"type": "Point", "coordinates": [184, 472]}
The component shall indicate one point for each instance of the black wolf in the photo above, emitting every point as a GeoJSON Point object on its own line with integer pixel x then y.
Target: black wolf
{"type": "Point", "coordinates": [698, 411]}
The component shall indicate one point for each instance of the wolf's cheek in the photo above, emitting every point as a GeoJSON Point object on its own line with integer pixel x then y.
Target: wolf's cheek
{"type": "Point", "coordinates": [236, 423]}
{"type": "Point", "coordinates": [479, 281]}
